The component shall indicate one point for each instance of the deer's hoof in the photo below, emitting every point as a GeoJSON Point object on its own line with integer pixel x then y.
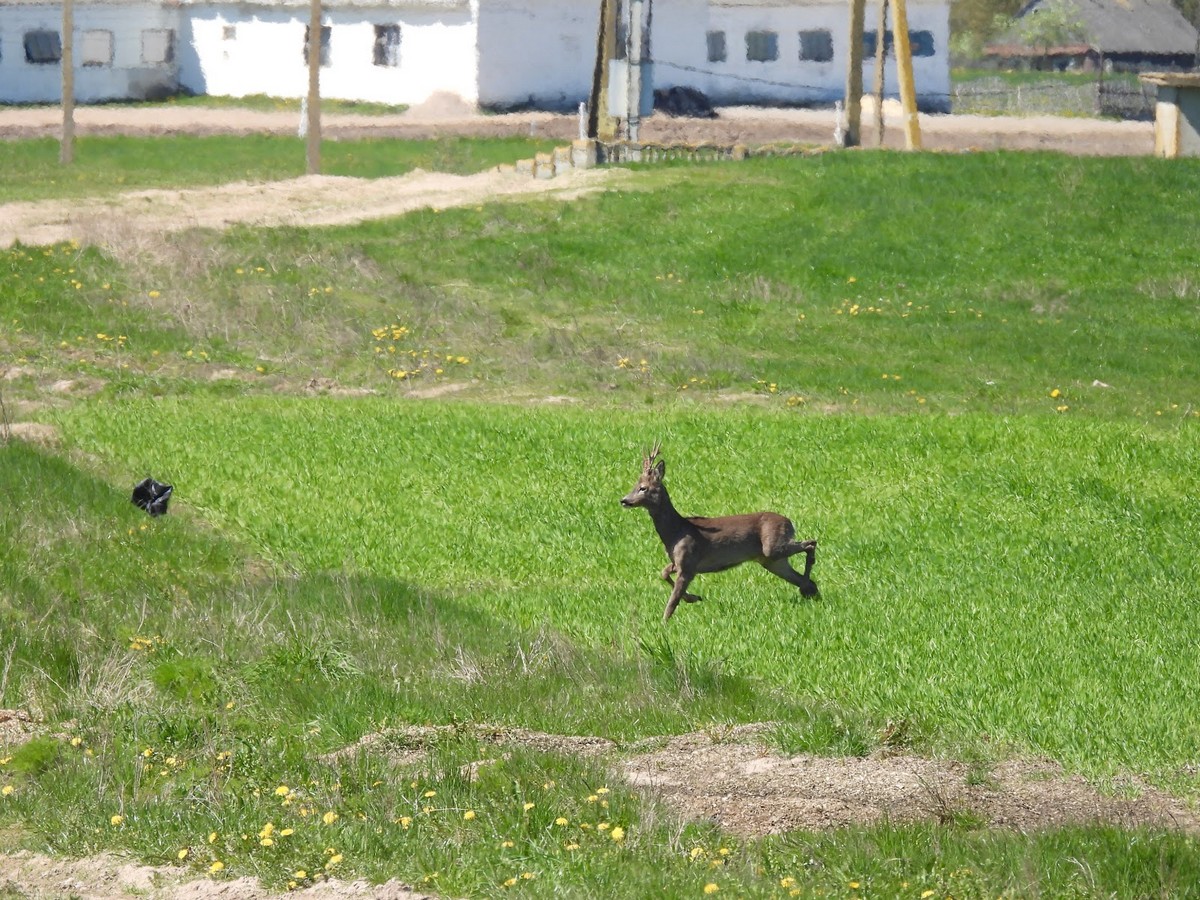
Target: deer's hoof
{"type": "Point", "coordinates": [809, 588]}
{"type": "Point", "coordinates": [692, 598]}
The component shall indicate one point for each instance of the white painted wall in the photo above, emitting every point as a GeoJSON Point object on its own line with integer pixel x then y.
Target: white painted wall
{"type": "Point", "coordinates": [266, 53]}
{"type": "Point", "coordinates": [128, 77]}
{"type": "Point", "coordinates": [792, 80]}
{"type": "Point", "coordinates": [536, 53]}
{"type": "Point", "coordinates": [499, 53]}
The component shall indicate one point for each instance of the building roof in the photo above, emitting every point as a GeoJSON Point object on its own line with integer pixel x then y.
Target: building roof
{"type": "Point", "coordinates": [1112, 26]}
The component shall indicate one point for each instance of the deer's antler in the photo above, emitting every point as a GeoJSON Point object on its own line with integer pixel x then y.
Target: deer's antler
{"type": "Point", "coordinates": [651, 456]}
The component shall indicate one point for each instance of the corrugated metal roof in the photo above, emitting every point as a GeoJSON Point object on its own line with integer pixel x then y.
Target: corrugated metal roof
{"type": "Point", "coordinates": [1123, 26]}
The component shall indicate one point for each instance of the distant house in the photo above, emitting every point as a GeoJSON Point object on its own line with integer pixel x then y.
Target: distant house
{"type": "Point", "coordinates": [492, 53]}
{"type": "Point", "coordinates": [1125, 35]}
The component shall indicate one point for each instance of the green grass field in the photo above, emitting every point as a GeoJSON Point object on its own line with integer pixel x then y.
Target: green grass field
{"type": "Point", "coordinates": [398, 449]}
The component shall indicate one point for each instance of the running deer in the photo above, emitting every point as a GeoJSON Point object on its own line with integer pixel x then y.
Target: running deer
{"type": "Point", "coordinates": [699, 544]}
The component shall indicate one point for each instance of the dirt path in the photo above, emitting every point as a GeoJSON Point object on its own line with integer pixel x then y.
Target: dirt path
{"type": "Point", "coordinates": [130, 218]}
{"type": "Point", "coordinates": [750, 125]}
{"type": "Point", "coordinates": [324, 200]}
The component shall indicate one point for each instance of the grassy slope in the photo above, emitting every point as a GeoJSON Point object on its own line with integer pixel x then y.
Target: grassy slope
{"type": "Point", "coordinates": [991, 565]}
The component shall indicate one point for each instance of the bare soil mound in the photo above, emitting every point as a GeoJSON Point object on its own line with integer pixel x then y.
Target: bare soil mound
{"type": "Point", "coordinates": [751, 790]}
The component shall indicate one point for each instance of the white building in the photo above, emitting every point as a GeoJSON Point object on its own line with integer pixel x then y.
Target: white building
{"type": "Point", "coordinates": [494, 53]}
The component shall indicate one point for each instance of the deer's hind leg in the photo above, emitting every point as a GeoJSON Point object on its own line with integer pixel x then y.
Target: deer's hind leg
{"type": "Point", "coordinates": [808, 548]}
{"type": "Point", "coordinates": [780, 566]}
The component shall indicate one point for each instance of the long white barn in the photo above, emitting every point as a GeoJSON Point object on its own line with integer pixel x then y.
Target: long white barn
{"type": "Point", "coordinates": [493, 53]}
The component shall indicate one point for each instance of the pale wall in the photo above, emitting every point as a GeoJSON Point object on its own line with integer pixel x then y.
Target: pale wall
{"type": "Point", "coordinates": [792, 80]}
{"type": "Point", "coordinates": [536, 52]}
{"type": "Point", "coordinates": [127, 76]}
{"type": "Point", "coordinates": [437, 53]}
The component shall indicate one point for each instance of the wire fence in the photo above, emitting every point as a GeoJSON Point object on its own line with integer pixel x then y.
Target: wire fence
{"type": "Point", "coordinates": [1120, 99]}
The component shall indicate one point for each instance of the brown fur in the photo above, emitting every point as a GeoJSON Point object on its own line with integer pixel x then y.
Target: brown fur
{"type": "Point", "coordinates": [699, 544]}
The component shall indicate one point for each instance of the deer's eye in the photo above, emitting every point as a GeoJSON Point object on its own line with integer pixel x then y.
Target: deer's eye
{"type": "Point", "coordinates": [642, 489]}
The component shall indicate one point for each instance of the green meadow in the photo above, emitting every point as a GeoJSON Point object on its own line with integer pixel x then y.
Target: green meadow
{"type": "Point", "coordinates": [398, 449]}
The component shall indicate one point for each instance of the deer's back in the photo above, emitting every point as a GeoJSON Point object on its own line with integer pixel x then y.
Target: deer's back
{"type": "Point", "coordinates": [747, 536]}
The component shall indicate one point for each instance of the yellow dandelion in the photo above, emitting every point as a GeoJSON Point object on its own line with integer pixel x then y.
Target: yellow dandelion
{"type": "Point", "coordinates": [618, 834]}
{"type": "Point", "coordinates": [148, 752]}
{"type": "Point", "coordinates": [592, 798]}
{"type": "Point", "coordinates": [117, 819]}
{"type": "Point", "coordinates": [528, 806]}
{"type": "Point", "coordinates": [571, 846]}
{"type": "Point", "coordinates": [216, 867]}
{"type": "Point", "coordinates": [696, 852]}
{"type": "Point", "coordinates": [509, 882]}
{"type": "Point", "coordinates": [153, 295]}
{"type": "Point", "coordinates": [853, 885]}
{"type": "Point", "coordinates": [604, 790]}
{"type": "Point", "coordinates": [787, 882]}
{"type": "Point", "coordinates": [469, 815]}
{"type": "Point", "coordinates": [602, 826]}
{"type": "Point", "coordinates": [405, 822]}
{"type": "Point", "coordinates": [711, 888]}
{"type": "Point", "coordinates": [282, 791]}
{"type": "Point", "coordinates": [267, 830]}
{"type": "Point", "coordinates": [429, 794]}
{"type": "Point", "coordinates": [287, 831]}
{"type": "Point", "coordinates": [528, 876]}
{"type": "Point", "coordinates": [300, 874]}
{"type": "Point", "coordinates": [333, 860]}
{"type": "Point", "coordinates": [928, 893]}
{"type": "Point", "coordinates": [560, 821]}
{"type": "Point", "coordinates": [330, 817]}
{"type": "Point", "coordinates": [76, 741]}
{"type": "Point", "coordinates": [266, 842]}
{"type": "Point", "coordinates": [1055, 394]}
{"type": "Point", "coordinates": [506, 844]}
{"type": "Point", "coordinates": [7, 790]}
{"type": "Point", "coordinates": [182, 854]}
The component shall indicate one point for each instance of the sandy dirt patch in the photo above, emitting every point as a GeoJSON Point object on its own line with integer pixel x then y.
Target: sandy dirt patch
{"type": "Point", "coordinates": [135, 217]}
{"type": "Point", "coordinates": [739, 124]}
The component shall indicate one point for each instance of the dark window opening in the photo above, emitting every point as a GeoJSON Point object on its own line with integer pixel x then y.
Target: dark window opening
{"type": "Point", "coordinates": [716, 46]}
{"type": "Point", "coordinates": [762, 46]}
{"type": "Point", "coordinates": [323, 53]}
{"type": "Point", "coordinates": [920, 42]}
{"type": "Point", "coordinates": [816, 45]}
{"type": "Point", "coordinates": [42, 47]}
{"type": "Point", "coordinates": [387, 45]}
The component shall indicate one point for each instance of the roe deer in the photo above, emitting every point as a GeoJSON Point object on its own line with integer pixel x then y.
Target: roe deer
{"type": "Point", "coordinates": [701, 544]}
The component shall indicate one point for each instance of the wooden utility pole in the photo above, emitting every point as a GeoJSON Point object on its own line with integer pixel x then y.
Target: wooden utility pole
{"type": "Point", "coordinates": [854, 75]}
{"type": "Point", "coordinates": [66, 145]}
{"type": "Point", "coordinates": [880, 62]}
{"type": "Point", "coordinates": [904, 75]}
{"type": "Point", "coordinates": [313, 130]}
{"type": "Point", "coordinates": [601, 125]}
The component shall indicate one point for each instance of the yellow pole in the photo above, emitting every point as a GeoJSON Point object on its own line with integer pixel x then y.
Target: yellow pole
{"type": "Point", "coordinates": [858, 12]}
{"type": "Point", "coordinates": [904, 75]}
{"type": "Point", "coordinates": [601, 125]}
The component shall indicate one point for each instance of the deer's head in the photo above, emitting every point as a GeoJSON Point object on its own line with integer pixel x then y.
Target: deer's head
{"type": "Point", "coordinates": [649, 488]}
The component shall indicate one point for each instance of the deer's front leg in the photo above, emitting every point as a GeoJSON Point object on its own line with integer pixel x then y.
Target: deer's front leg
{"type": "Point", "coordinates": [667, 572]}
{"type": "Point", "coordinates": [678, 593]}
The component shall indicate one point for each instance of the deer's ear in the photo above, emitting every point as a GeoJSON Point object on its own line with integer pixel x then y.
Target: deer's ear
{"type": "Point", "coordinates": [661, 469]}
